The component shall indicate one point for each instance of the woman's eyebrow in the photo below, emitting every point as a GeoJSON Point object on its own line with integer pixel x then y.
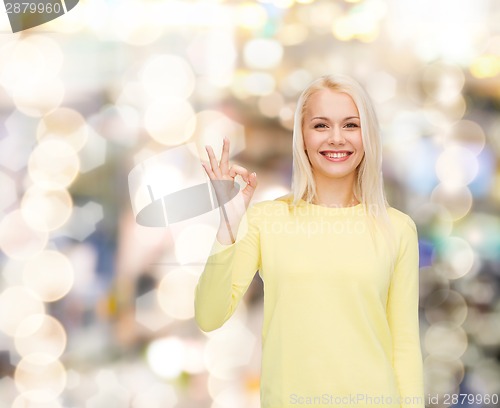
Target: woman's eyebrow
{"type": "Point", "coordinates": [325, 118]}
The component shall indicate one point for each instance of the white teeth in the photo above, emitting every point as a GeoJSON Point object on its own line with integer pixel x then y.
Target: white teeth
{"type": "Point", "coordinates": [335, 155]}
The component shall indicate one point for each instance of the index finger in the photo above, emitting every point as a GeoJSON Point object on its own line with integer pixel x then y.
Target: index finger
{"type": "Point", "coordinates": [224, 158]}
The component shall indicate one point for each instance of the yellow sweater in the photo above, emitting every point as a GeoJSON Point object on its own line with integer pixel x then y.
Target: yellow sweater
{"type": "Point", "coordinates": [340, 324]}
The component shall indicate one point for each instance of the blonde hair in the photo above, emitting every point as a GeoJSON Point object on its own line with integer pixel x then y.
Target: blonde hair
{"type": "Point", "coordinates": [368, 188]}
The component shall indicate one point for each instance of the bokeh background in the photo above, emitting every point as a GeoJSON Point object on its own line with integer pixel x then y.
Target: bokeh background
{"type": "Point", "coordinates": [97, 311]}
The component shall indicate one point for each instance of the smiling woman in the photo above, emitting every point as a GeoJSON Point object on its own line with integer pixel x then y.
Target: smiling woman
{"type": "Point", "coordinates": [333, 135]}
{"type": "Point", "coordinates": [339, 265]}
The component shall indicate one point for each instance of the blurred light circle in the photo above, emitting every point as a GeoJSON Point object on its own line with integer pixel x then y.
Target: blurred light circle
{"type": "Point", "coordinates": [25, 401]}
{"type": "Point", "coordinates": [227, 349]}
{"type": "Point", "coordinates": [485, 66]}
{"type": "Point", "coordinates": [456, 166]}
{"type": "Point", "coordinates": [445, 341]}
{"type": "Point", "coordinates": [52, 53]}
{"type": "Point", "coordinates": [487, 329]}
{"type": "Point", "coordinates": [451, 110]}
{"type": "Point", "coordinates": [445, 306]}
{"type": "Point", "coordinates": [259, 83]}
{"type": "Point", "coordinates": [18, 239]}
{"type": "Point", "coordinates": [19, 57]}
{"type": "Point", "coordinates": [53, 162]}
{"type": "Point", "coordinates": [432, 279]}
{"type": "Point", "coordinates": [49, 274]}
{"type": "Point", "coordinates": [292, 34]}
{"type": "Point", "coordinates": [238, 86]}
{"type": "Point", "coordinates": [435, 117]}
{"type": "Point", "coordinates": [132, 93]}
{"type": "Point", "coordinates": [271, 104]}
{"type": "Point", "coordinates": [134, 22]}
{"type": "Point", "coordinates": [9, 191]}
{"type": "Point", "coordinates": [442, 376]}
{"type": "Point", "coordinates": [118, 123]}
{"type": "Point", "coordinates": [170, 121]}
{"type": "Point", "coordinates": [16, 304]}
{"type": "Point", "coordinates": [167, 75]}
{"type": "Point", "coordinates": [457, 200]}
{"type": "Point", "coordinates": [381, 86]}
{"type": "Point", "coordinates": [38, 99]}
{"type": "Point", "coordinates": [480, 292]}
{"type": "Point", "coordinates": [211, 128]}
{"type": "Point", "coordinates": [93, 154]}
{"type": "Point", "coordinates": [66, 124]}
{"type": "Point", "coordinates": [286, 116]}
{"type": "Point", "coordinates": [443, 82]}
{"type": "Point", "coordinates": [457, 257]}
{"type": "Point", "coordinates": [193, 362]}
{"type": "Point", "coordinates": [262, 53]}
{"type": "Point", "coordinates": [294, 83]}
{"type": "Point", "coordinates": [250, 15]}
{"type": "Point", "coordinates": [282, 3]}
{"type": "Point", "coordinates": [434, 220]}
{"type": "Point", "coordinates": [176, 294]}
{"type": "Point", "coordinates": [40, 381]}
{"type": "Point", "coordinates": [166, 357]}
{"type": "Point", "coordinates": [484, 377]}
{"type": "Point", "coordinates": [481, 231]}
{"type": "Point", "coordinates": [342, 28]}
{"type": "Point", "coordinates": [230, 396]}
{"type": "Point", "coordinates": [46, 210]}
{"type": "Point", "coordinates": [40, 334]}
{"type": "Point", "coordinates": [156, 395]}
{"type": "Point", "coordinates": [467, 134]}
{"type": "Point", "coordinates": [193, 243]}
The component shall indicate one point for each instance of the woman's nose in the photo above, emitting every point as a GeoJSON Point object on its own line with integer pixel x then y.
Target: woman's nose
{"type": "Point", "coordinates": [335, 136]}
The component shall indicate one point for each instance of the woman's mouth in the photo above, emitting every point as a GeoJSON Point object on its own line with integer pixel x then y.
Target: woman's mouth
{"type": "Point", "coordinates": [336, 156]}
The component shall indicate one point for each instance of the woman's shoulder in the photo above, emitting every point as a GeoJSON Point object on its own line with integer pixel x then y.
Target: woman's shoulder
{"type": "Point", "coordinates": [273, 207]}
{"type": "Point", "coordinates": [400, 219]}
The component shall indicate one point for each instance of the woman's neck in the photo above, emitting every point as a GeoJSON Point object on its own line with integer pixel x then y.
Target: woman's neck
{"type": "Point", "coordinates": [335, 193]}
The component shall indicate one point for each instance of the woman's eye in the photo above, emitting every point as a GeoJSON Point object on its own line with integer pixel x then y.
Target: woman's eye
{"type": "Point", "coordinates": [351, 125]}
{"type": "Point", "coordinates": [319, 125]}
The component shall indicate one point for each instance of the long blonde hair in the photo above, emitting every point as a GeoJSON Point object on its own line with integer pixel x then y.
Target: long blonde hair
{"type": "Point", "coordinates": [368, 188]}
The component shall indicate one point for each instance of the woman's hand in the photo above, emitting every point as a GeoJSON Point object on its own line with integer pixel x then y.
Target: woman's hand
{"type": "Point", "coordinates": [234, 210]}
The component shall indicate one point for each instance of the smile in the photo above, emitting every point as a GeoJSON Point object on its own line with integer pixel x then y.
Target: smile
{"type": "Point", "coordinates": [336, 156]}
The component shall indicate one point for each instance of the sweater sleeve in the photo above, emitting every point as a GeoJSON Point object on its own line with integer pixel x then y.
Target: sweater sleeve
{"type": "Point", "coordinates": [402, 313]}
{"type": "Point", "coordinates": [228, 273]}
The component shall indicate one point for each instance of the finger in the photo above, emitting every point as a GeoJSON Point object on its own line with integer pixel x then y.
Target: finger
{"type": "Point", "coordinates": [251, 186]}
{"type": "Point", "coordinates": [208, 170]}
{"type": "Point", "coordinates": [239, 170]}
{"type": "Point", "coordinates": [224, 159]}
{"type": "Point", "coordinates": [213, 162]}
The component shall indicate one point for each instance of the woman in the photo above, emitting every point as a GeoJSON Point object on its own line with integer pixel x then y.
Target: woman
{"type": "Point", "coordinates": [339, 266]}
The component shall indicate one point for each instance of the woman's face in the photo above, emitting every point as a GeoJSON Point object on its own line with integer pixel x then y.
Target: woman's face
{"type": "Point", "coordinates": [332, 134]}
